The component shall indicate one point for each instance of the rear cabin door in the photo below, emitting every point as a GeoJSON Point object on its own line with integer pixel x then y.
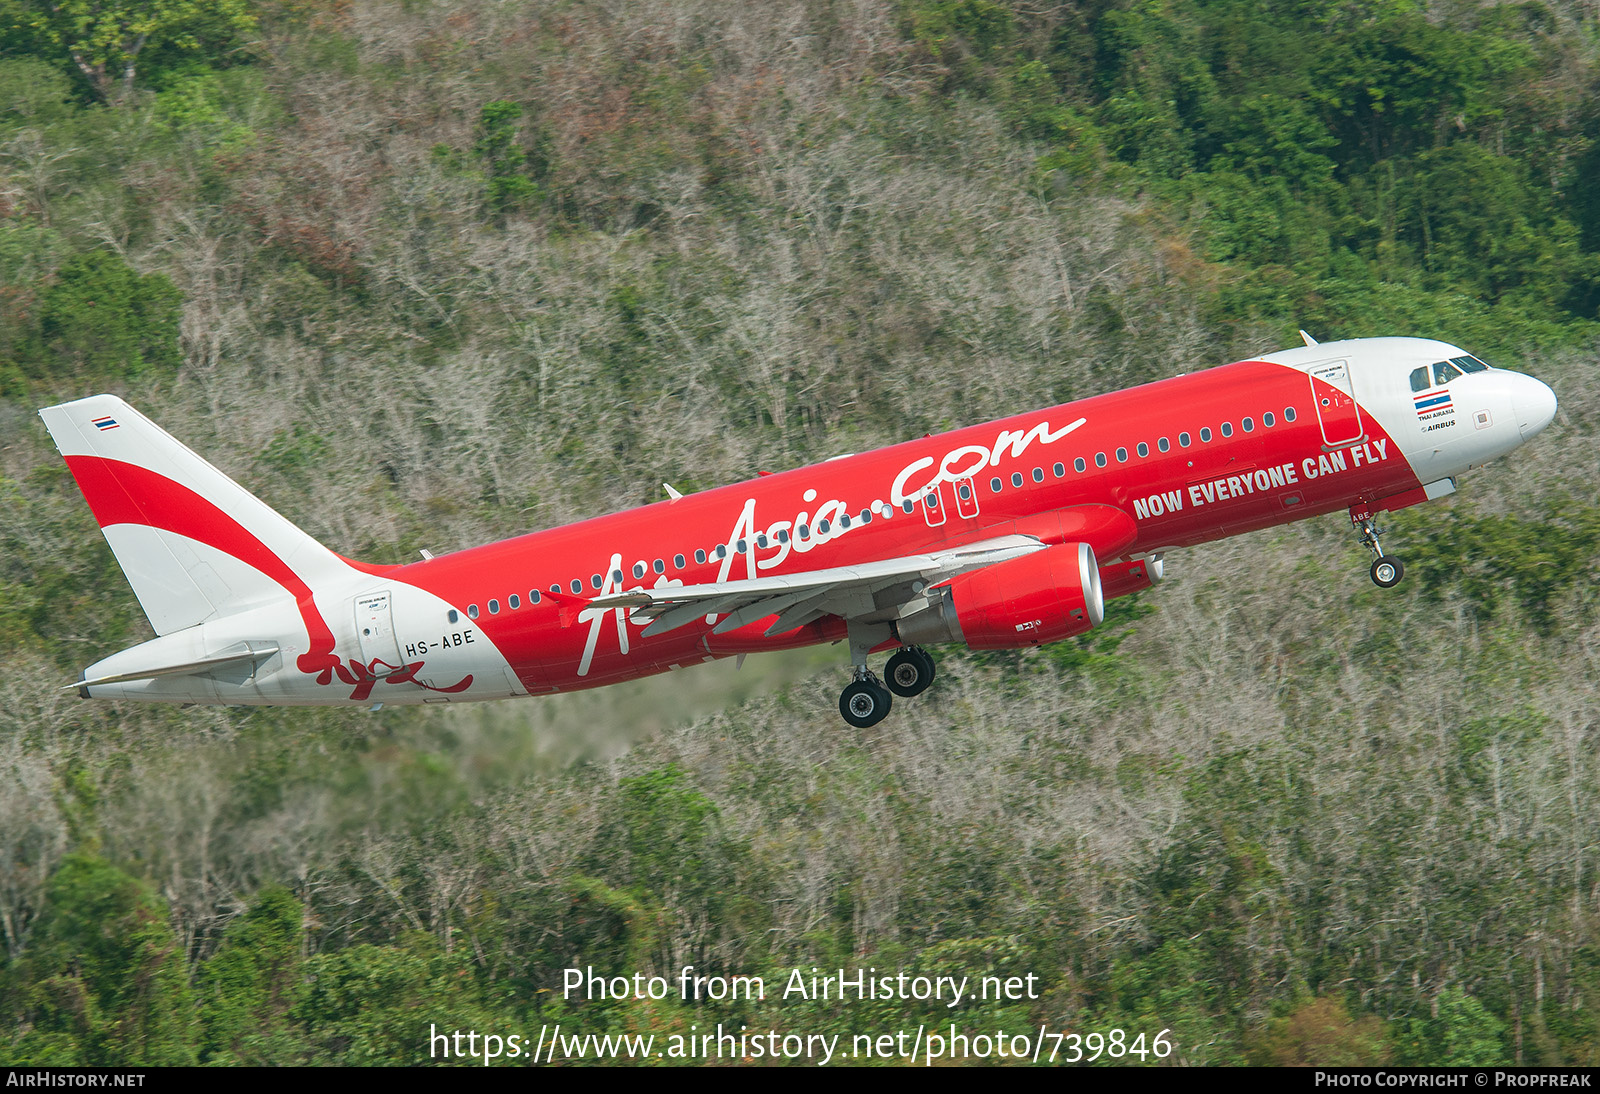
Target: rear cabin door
{"type": "Point", "coordinates": [1335, 400]}
{"type": "Point", "coordinates": [375, 629]}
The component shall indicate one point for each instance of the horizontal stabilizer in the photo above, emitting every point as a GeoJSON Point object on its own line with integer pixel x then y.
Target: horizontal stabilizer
{"type": "Point", "coordinates": [234, 655]}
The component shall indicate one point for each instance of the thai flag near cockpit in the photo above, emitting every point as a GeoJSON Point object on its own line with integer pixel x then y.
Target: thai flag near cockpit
{"type": "Point", "coordinates": [1432, 400]}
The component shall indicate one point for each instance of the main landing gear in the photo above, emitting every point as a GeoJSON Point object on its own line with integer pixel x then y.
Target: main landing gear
{"type": "Point", "coordinates": [909, 671]}
{"type": "Point", "coordinates": [866, 702]}
{"type": "Point", "coordinates": [1386, 569]}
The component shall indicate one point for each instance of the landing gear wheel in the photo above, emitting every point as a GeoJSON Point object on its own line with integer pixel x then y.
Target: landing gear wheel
{"type": "Point", "coordinates": [909, 672]}
{"type": "Point", "coordinates": [1386, 569]}
{"type": "Point", "coordinates": [1387, 572]}
{"type": "Point", "coordinates": [865, 703]}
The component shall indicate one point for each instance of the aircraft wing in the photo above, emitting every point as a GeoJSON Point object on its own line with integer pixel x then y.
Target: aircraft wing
{"type": "Point", "coordinates": [868, 592]}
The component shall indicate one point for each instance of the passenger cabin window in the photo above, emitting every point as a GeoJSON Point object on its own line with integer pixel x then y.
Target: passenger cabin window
{"type": "Point", "coordinates": [1143, 449]}
{"type": "Point", "coordinates": [1419, 379]}
{"type": "Point", "coordinates": [1183, 440]}
{"type": "Point", "coordinates": [494, 606]}
{"type": "Point", "coordinates": [1079, 466]}
{"type": "Point", "coordinates": [454, 615]}
{"type": "Point", "coordinates": [638, 569]}
{"type": "Point", "coordinates": [1060, 469]}
{"type": "Point", "coordinates": [1163, 444]}
{"type": "Point", "coordinates": [1038, 474]}
{"type": "Point", "coordinates": [534, 596]}
{"type": "Point", "coordinates": [597, 581]}
{"type": "Point", "coordinates": [994, 485]}
{"type": "Point", "coordinates": [678, 562]}
{"type": "Point", "coordinates": [577, 586]}
{"type": "Point", "coordinates": [616, 575]}
{"type": "Point", "coordinates": [700, 555]}
{"type": "Point", "coordinates": [514, 601]}
{"type": "Point", "coordinates": [661, 567]}
{"type": "Point", "coordinates": [1016, 478]}
{"type": "Point", "coordinates": [1268, 420]}
{"type": "Point", "coordinates": [1288, 413]}
{"type": "Point", "coordinates": [1248, 425]}
{"type": "Point", "coordinates": [1122, 455]}
{"type": "Point", "coordinates": [1099, 459]}
{"type": "Point", "coordinates": [472, 611]}
{"type": "Point", "coordinates": [1227, 429]}
{"type": "Point", "coordinates": [1205, 434]}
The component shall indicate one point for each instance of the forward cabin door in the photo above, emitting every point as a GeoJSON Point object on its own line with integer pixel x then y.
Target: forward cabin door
{"type": "Point", "coordinates": [375, 630]}
{"type": "Point", "coordinates": [1335, 400]}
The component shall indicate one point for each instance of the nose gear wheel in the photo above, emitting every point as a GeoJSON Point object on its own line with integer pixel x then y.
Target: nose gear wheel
{"type": "Point", "coordinates": [1386, 569]}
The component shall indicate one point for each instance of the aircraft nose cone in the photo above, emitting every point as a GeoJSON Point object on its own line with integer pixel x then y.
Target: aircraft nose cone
{"type": "Point", "coordinates": [1535, 405]}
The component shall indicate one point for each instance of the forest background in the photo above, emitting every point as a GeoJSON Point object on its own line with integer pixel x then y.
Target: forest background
{"type": "Point", "coordinates": [427, 274]}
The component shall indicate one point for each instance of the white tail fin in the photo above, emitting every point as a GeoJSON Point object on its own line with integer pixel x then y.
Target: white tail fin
{"type": "Point", "coordinates": [194, 544]}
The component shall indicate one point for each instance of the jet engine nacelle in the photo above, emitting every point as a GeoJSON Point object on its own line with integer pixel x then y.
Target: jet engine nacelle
{"type": "Point", "coordinates": [1041, 597]}
{"type": "Point", "coordinates": [1122, 578]}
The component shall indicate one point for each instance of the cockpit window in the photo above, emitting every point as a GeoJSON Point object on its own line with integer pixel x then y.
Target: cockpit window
{"type": "Point", "coordinates": [1444, 372]}
{"type": "Point", "coordinates": [1469, 363]}
{"type": "Point", "coordinates": [1419, 379]}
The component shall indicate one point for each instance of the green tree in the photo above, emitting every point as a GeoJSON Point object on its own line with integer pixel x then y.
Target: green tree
{"type": "Point", "coordinates": [105, 39]}
{"type": "Point", "coordinates": [1462, 1034]}
{"type": "Point", "coordinates": [252, 981]}
{"type": "Point", "coordinates": [100, 316]}
{"type": "Point", "coordinates": [504, 159]}
{"type": "Point", "coordinates": [104, 980]}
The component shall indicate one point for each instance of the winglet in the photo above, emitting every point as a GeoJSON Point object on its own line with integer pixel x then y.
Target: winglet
{"type": "Point", "coordinates": [1310, 341]}
{"type": "Point", "coordinates": [671, 493]}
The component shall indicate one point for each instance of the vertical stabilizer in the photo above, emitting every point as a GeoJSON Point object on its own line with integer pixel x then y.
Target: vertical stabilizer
{"type": "Point", "coordinates": [194, 544]}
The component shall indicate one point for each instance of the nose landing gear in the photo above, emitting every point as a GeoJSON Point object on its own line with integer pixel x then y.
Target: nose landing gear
{"type": "Point", "coordinates": [1386, 570]}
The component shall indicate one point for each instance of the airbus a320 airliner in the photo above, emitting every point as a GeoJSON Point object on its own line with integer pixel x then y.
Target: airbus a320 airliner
{"type": "Point", "coordinates": [1003, 535]}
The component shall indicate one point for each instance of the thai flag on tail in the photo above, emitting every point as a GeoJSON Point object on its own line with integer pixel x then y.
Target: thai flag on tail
{"type": "Point", "coordinates": [1434, 400]}
{"type": "Point", "coordinates": [103, 424]}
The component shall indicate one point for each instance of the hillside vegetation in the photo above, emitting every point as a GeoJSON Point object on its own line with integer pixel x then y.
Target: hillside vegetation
{"type": "Point", "coordinates": [427, 274]}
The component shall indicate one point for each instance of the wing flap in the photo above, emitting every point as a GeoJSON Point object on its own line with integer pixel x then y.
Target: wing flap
{"type": "Point", "coordinates": [848, 591]}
